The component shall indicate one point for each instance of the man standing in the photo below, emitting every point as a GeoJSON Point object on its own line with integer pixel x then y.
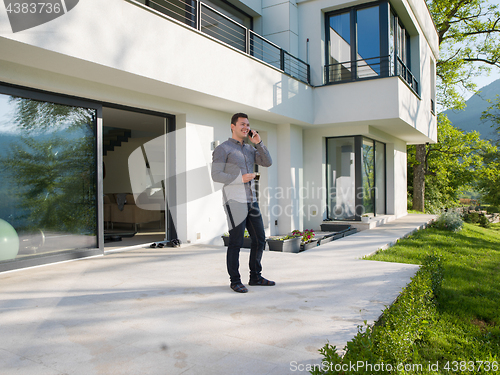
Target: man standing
{"type": "Point", "coordinates": [232, 164]}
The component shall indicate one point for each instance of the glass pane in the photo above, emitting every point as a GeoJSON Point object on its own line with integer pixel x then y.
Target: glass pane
{"type": "Point", "coordinates": [380, 178]}
{"type": "Point", "coordinates": [183, 11]}
{"type": "Point", "coordinates": [340, 178]}
{"type": "Point", "coordinates": [47, 177]}
{"type": "Point", "coordinates": [222, 28]}
{"type": "Point", "coordinates": [340, 47]}
{"type": "Point", "coordinates": [368, 42]}
{"type": "Point", "coordinates": [368, 175]}
{"type": "Point", "coordinates": [230, 11]}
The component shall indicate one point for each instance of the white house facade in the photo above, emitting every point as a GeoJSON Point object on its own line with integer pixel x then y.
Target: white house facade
{"type": "Point", "coordinates": [125, 100]}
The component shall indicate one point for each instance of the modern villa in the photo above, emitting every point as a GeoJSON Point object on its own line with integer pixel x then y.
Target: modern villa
{"type": "Point", "coordinates": [110, 112]}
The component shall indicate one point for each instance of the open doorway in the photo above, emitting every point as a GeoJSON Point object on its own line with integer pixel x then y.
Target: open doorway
{"type": "Point", "coordinates": [126, 221]}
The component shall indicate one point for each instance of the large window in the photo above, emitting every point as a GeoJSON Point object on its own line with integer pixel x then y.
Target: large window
{"type": "Point", "coordinates": [48, 178]}
{"type": "Point", "coordinates": [367, 41]}
{"type": "Point", "coordinates": [355, 177]}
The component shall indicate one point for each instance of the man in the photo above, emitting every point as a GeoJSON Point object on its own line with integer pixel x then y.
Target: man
{"type": "Point", "coordinates": [232, 164]}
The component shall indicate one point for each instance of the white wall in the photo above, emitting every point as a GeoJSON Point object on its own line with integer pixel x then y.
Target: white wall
{"type": "Point", "coordinates": [117, 178]}
{"type": "Point", "coordinates": [156, 56]}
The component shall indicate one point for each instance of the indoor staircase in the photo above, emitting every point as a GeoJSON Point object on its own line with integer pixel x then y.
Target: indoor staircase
{"type": "Point", "coordinates": [114, 137]}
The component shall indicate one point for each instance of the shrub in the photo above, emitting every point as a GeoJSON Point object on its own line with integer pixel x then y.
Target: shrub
{"type": "Point", "coordinates": [471, 217]}
{"type": "Point", "coordinates": [450, 220]}
{"type": "Point", "coordinates": [393, 338]}
{"type": "Point", "coordinates": [493, 209]}
{"type": "Point", "coordinates": [484, 222]}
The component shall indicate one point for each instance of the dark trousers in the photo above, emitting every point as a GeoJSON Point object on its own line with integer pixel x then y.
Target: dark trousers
{"type": "Point", "coordinates": [238, 221]}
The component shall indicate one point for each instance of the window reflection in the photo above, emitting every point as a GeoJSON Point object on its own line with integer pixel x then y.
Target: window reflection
{"type": "Point", "coordinates": [47, 175]}
{"type": "Point", "coordinates": [355, 168]}
{"type": "Point", "coordinates": [368, 175]}
{"type": "Point", "coordinates": [341, 178]}
{"type": "Point", "coordinates": [368, 42]}
{"type": "Point", "coordinates": [340, 47]}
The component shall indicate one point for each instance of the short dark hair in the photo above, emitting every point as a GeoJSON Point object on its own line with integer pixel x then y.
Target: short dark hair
{"type": "Point", "coordinates": [236, 116]}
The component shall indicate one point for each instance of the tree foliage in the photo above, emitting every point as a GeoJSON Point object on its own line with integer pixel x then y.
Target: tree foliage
{"type": "Point", "coordinates": [469, 46]}
{"type": "Point", "coordinates": [489, 181]}
{"type": "Point", "coordinates": [49, 170]}
{"type": "Point", "coordinates": [451, 165]}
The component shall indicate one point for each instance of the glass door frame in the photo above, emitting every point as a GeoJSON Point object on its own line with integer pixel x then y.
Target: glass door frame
{"type": "Point", "coordinates": [358, 176]}
{"type": "Point", "coordinates": [44, 96]}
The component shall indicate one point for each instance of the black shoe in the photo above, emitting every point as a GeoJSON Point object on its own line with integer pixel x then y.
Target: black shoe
{"type": "Point", "coordinates": [239, 287]}
{"type": "Point", "coordinates": [262, 282]}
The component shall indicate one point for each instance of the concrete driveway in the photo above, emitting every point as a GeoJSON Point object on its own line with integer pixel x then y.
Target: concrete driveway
{"type": "Point", "coordinates": [171, 311]}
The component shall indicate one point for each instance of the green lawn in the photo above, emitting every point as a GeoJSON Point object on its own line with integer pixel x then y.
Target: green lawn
{"type": "Point", "coordinates": [467, 322]}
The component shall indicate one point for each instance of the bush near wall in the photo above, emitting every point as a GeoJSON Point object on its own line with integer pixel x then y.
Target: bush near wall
{"type": "Point", "coordinates": [391, 340]}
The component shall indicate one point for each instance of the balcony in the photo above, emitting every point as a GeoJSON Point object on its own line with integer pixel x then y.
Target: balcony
{"type": "Point", "coordinates": [209, 21]}
{"type": "Point", "coordinates": [377, 67]}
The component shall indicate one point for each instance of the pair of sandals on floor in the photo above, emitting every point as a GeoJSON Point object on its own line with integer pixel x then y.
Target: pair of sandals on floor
{"type": "Point", "coordinates": [240, 288]}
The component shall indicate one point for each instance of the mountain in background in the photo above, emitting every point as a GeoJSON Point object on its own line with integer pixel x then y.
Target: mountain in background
{"type": "Point", "coordinates": [469, 119]}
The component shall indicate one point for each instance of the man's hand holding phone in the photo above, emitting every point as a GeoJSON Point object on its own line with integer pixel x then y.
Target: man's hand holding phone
{"type": "Point", "coordinates": [254, 136]}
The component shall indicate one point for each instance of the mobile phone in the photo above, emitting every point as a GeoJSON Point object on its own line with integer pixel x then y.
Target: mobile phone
{"type": "Point", "coordinates": [251, 133]}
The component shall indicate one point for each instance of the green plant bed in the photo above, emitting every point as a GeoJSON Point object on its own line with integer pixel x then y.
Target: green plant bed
{"type": "Point", "coordinates": [448, 315]}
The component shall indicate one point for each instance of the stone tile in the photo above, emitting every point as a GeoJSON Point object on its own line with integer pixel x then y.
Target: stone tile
{"type": "Point", "coordinates": [141, 312]}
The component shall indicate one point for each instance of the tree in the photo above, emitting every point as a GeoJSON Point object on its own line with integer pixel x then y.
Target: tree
{"type": "Point", "coordinates": [489, 180]}
{"type": "Point", "coordinates": [492, 113]}
{"type": "Point", "coordinates": [452, 164]}
{"type": "Point", "coordinates": [469, 46]}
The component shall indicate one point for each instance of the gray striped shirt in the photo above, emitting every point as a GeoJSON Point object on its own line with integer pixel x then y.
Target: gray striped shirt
{"type": "Point", "coordinates": [230, 161]}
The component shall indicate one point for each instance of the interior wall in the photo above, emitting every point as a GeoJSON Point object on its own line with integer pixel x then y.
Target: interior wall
{"type": "Point", "coordinates": [117, 179]}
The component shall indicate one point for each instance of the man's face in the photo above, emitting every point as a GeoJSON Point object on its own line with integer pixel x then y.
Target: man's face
{"type": "Point", "coordinates": [240, 130]}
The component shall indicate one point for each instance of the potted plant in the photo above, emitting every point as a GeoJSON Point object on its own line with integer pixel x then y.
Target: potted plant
{"type": "Point", "coordinates": [365, 218]}
{"type": "Point", "coordinates": [286, 244]}
{"type": "Point", "coordinates": [307, 239]}
{"type": "Point", "coordinates": [247, 241]}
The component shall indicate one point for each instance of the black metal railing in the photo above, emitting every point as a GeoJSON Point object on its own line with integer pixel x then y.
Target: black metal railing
{"type": "Point", "coordinates": [405, 73]}
{"type": "Point", "coordinates": [206, 19]}
{"type": "Point", "coordinates": [382, 66]}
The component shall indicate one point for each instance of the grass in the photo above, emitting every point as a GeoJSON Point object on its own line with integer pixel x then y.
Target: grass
{"type": "Point", "coordinates": [467, 322]}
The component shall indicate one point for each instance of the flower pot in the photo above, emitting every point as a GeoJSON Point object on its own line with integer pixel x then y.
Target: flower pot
{"type": "Point", "coordinates": [308, 245]}
{"type": "Point", "coordinates": [365, 219]}
{"type": "Point", "coordinates": [247, 242]}
{"type": "Point", "coordinates": [291, 245]}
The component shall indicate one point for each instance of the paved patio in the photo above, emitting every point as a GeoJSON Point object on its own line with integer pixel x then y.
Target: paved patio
{"type": "Point", "coordinates": [171, 311]}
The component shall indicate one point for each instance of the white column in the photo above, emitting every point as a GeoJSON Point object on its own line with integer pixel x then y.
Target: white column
{"type": "Point", "coordinates": [280, 24]}
{"type": "Point", "coordinates": [290, 178]}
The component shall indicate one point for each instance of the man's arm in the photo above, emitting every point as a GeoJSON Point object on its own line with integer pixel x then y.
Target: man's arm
{"type": "Point", "coordinates": [222, 172]}
{"type": "Point", "coordinates": [262, 156]}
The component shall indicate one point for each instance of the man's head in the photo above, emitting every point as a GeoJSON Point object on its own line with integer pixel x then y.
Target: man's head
{"type": "Point", "coordinates": [236, 116]}
{"type": "Point", "coordinates": [239, 126]}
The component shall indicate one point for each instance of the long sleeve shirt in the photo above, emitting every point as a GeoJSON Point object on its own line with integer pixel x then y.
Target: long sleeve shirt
{"type": "Point", "coordinates": [230, 161]}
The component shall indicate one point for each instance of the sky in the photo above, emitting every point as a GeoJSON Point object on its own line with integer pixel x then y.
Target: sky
{"type": "Point", "coordinates": [495, 72]}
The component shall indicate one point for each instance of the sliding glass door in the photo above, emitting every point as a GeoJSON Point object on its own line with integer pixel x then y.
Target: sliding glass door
{"type": "Point", "coordinates": [48, 178]}
{"type": "Point", "coordinates": [355, 177]}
